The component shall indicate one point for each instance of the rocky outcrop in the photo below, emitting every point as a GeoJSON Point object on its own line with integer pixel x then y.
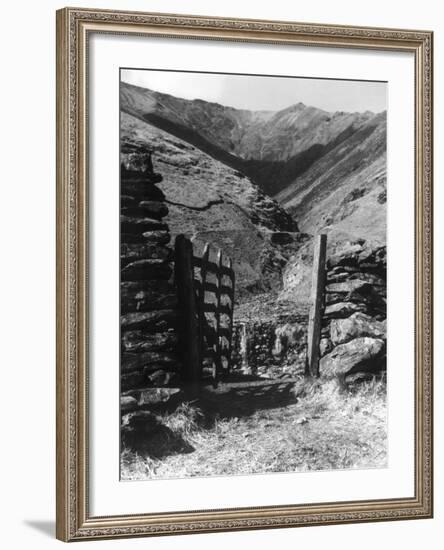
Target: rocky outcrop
{"type": "Point", "coordinates": [139, 398]}
{"type": "Point", "coordinates": [355, 326]}
{"type": "Point", "coordinates": [362, 354]}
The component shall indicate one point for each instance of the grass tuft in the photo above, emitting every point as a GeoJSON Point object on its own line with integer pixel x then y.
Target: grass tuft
{"type": "Point", "coordinates": [325, 425]}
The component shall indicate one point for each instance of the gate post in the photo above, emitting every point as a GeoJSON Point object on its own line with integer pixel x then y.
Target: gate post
{"type": "Point", "coordinates": [189, 334]}
{"type": "Point", "coordinates": [317, 305]}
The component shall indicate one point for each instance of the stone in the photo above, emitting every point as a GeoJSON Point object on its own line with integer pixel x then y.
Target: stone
{"type": "Point", "coordinates": [359, 355]}
{"type": "Point", "coordinates": [357, 291]}
{"type": "Point", "coordinates": [349, 286]}
{"type": "Point", "coordinates": [162, 377]}
{"type": "Point", "coordinates": [382, 197]}
{"type": "Point", "coordinates": [154, 396]}
{"type": "Point", "coordinates": [146, 269]}
{"type": "Point", "coordinates": [342, 269]}
{"type": "Point", "coordinates": [325, 330]}
{"type": "Point", "coordinates": [140, 427]}
{"type": "Point", "coordinates": [142, 190]}
{"type": "Point", "coordinates": [338, 277]}
{"type": "Point", "coordinates": [325, 346]}
{"type": "Point", "coordinates": [138, 340]}
{"type": "Point", "coordinates": [357, 254]}
{"type": "Point", "coordinates": [357, 325]}
{"type": "Point", "coordinates": [127, 201]}
{"type": "Point", "coordinates": [130, 252]}
{"type": "Point", "coordinates": [128, 403]}
{"type": "Point", "coordinates": [374, 258]}
{"type": "Point", "coordinates": [371, 278]}
{"type": "Point", "coordinates": [133, 224]}
{"type": "Point", "coordinates": [148, 263]}
{"type": "Point", "coordinates": [129, 288]}
{"type": "Point", "coordinates": [156, 212]}
{"type": "Point", "coordinates": [359, 377]}
{"type": "Point", "coordinates": [342, 309]}
{"type": "Point", "coordinates": [345, 253]}
{"type": "Point", "coordinates": [132, 380]}
{"type": "Point", "coordinates": [270, 345]}
{"type": "Point", "coordinates": [154, 209]}
{"type": "Point", "coordinates": [149, 320]}
{"type": "Point", "coordinates": [138, 163]}
{"type": "Point", "coordinates": [142, 422]}
{"type": "Point", "coordinates": [131, 238]}
{"type": "Point", "coordinates": [344, 276]}
{"type": "Point", "coordinates": [154, 177]}
{"type": "Point", "coordinates": [286, 336]}
{"type": "Point", "coordinates": [334, 298]}
{"type": "Point", "coordinates": [157, 237]}
{"type": "Point", "coordinates": [296, 279]}
{"type": "Point", "coordinates": [147, 361]}
{"type": "Point", "coordinates": [144, 296]}
{"type": "Point", "coordinates": [174, 367]}
{"type": "Point", "coordinates": [147, 300]}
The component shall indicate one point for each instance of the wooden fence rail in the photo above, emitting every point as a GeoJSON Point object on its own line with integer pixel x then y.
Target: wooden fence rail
{"type": "Point", "coordinates": [206, 298]}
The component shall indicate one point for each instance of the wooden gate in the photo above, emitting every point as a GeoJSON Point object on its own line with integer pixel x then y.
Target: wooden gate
{"type": "Point", "coordinates": [205, 286]}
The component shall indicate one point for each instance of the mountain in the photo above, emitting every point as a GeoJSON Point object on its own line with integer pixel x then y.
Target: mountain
{"type": "Point", "coordinates": [273, 148]}
{"type": "Point", "coordinates": [209, 201]}
{"type": "Point", "coordinates": [235, 176]}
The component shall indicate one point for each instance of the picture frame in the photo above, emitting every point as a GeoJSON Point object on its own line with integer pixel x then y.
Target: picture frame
{"type": "Point", "coordinates": [75, 258]}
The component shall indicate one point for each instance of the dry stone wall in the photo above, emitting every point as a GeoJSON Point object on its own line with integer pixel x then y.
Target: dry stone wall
{"type": "Point", "coordinates": [271, 348]}
{"type": "Point", "coordinates": [271, 345]}
{"type": "Point", "coordinates": [150, 364]}
{"type": "Point", "coordinates": [354, 327]}
{"type": "Point", "coordinates": [353, 337]}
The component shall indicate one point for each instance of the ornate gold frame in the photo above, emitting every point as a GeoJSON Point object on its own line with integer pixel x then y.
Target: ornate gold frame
{"type": "Point", "coordinates": [73, 519]}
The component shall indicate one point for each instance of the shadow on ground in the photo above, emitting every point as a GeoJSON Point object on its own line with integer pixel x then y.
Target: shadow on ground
{"type": "Point", "coordinates": [147, 434]}
{"type": "Point", "coordinates": [158, 441]}
{"type": "Point", "coordinates": [240, 399]}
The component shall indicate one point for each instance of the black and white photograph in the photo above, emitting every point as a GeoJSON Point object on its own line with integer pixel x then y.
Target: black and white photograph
{"type": "Point", "coordinates": [252, 274]}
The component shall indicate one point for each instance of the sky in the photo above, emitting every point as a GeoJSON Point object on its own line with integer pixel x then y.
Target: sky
{"type": "Point", "coordinates": [264, 92]}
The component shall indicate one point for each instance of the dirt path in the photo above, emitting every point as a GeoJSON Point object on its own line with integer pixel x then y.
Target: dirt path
{"type": "Point", "coordinates": [270, 427]}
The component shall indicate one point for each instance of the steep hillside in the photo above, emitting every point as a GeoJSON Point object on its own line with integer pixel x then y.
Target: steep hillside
{"type": "Point", "coordinates": [344, 192]}
{"type": "Point", "coordinates": [208, 200]}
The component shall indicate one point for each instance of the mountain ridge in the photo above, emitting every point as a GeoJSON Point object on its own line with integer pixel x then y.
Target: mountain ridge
{"type": "Point", "coordinates": [210, 202]}
{"type": "Point", "coordinates": [253, 142]}
{"type": "Point", "coordinates": [319, 166]}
